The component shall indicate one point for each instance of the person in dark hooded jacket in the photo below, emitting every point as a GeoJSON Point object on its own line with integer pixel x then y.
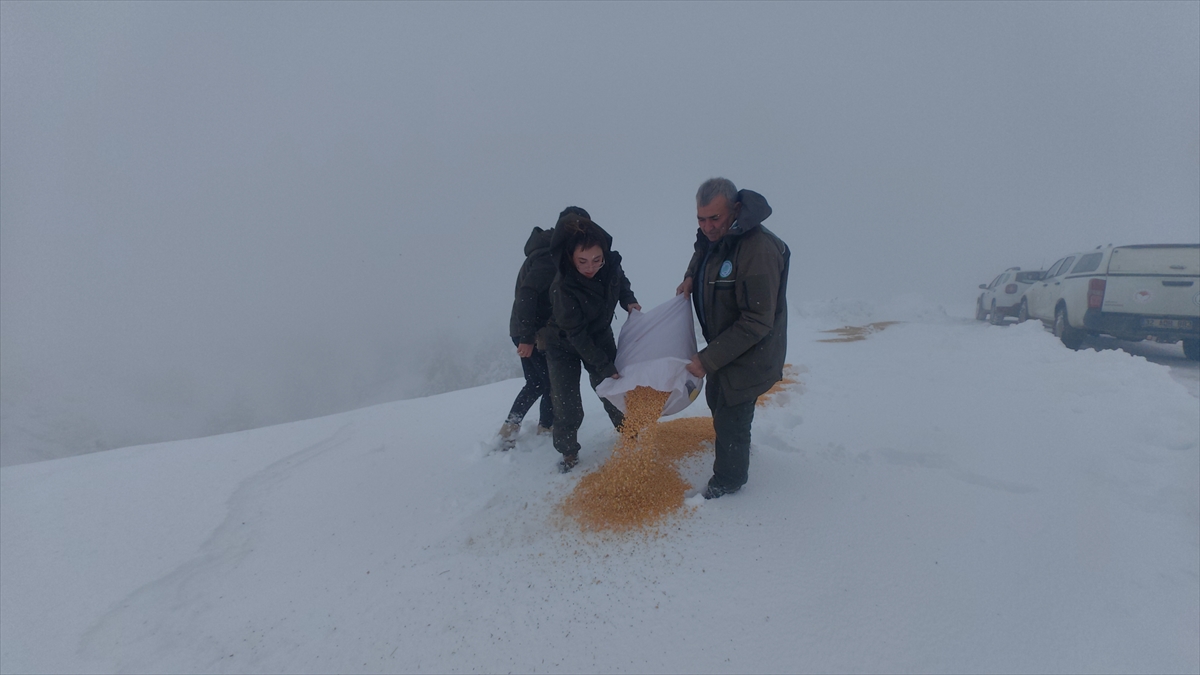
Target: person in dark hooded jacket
{"type": "Point", "coordinates": [530, 312]}
{"type": "Point", "coordinates": [738, 281]}
{"type": "Point", "coordinates": [587, 288]}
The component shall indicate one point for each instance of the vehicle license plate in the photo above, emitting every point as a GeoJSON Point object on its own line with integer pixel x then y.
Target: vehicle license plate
{"type": "Point", "coordinates": [1176, 324]}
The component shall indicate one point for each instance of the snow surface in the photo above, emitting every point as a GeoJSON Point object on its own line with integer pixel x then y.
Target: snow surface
{"type": "Point", "coordinates": [945, 496]}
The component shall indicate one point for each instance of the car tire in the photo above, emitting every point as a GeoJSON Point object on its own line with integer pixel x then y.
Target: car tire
{"type": "Point", "coordinates": [1023, 312]}
{"type": "Point", "coordinates": [995, 318]}
{"type": "Point", "coordinates": [1191, 349]}
{"type": "Point", "coordinates": [980, 315]}
{"type": "Point", "coordinates": [1071, 338]}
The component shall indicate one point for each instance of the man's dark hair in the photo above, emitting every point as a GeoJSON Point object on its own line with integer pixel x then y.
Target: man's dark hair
{"type": "Point", "coordinates": [714, 187]}
{"type": "Point", "coordinates": [574, 211]}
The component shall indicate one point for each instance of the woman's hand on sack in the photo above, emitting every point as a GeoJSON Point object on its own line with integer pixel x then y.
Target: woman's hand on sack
{"type": "Point", "coordinates": [615, 376]}
{"type": "Point", "coordinates": [633, 307]}
{"type": "Point", "coordinates": [695, 367]}
{"type": "Point", "coordinates": [684, 288]}
{"type": "Point", "coordinates": [524, 351]}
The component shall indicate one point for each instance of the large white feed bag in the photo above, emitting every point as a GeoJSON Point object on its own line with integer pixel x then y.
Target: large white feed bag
{"type": "Point", "coordinates": [653, 350]}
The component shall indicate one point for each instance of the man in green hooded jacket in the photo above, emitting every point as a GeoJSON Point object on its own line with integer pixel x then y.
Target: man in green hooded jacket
{"type": "Point", "coordinates": [738, 281]}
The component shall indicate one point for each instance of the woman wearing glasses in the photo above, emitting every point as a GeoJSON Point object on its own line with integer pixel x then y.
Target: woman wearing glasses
{"type": "Point", "coordinates": [584, 296]}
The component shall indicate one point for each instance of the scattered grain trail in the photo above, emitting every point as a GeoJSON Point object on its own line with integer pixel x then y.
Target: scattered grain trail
{"type": "Point", "coordinates": [856, 333]}
{"type": "Point", "coordinates": [791, 381]}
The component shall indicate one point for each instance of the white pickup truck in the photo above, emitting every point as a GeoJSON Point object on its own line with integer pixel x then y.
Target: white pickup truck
{"type": "Point", "coordinates": [1129, 292]}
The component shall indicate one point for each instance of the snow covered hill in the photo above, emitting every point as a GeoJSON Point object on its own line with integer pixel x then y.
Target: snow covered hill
{"type": "Point", "coordinates": [943, 496]}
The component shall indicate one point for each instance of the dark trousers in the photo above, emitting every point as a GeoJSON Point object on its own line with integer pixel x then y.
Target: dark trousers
{"type": "Point", "coordinates": [565, 369]}
{"type": "Point", "coordinates": [732, 424]}
{"type": "Point", "coordinates": [537, 384]}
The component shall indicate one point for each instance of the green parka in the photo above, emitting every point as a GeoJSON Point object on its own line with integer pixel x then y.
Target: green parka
{"type": "Point", "coordinates": [583, 309]}
{"type": "Point", "coordinates": [741, 301]}
{"type": "Point", "coordinates": [531, 299]}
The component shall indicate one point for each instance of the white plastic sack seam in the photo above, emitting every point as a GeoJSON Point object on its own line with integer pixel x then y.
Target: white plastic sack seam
{"type": "Point", "coordinates": [653, 350]}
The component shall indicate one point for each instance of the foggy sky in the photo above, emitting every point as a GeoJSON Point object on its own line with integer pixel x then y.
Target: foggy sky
{"type": "Point", "coordinates": [220, 215]}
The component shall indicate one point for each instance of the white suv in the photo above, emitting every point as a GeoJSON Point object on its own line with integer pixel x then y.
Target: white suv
{"type": "Point", "coordinates": [1128, 292]}
{"type": "Point", "coordinates": [1002, 297]}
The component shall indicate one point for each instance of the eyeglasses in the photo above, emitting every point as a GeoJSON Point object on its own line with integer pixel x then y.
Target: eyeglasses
{"type": "Point", "coordinates": [589, 264]}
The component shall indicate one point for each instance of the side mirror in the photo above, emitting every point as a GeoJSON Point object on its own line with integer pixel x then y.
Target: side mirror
{"type": "Point", "coordinates": [983, 286]}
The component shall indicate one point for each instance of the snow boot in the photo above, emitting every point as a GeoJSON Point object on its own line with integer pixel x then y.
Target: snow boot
{"type": "Point", "coordinates": [544, 431]}
{"type": "Point", "coordinates": [568, 462]}
{"type": "Point", "coordinates": [508, 436]}
{"type": "Point", "coordinates": [715, 491]}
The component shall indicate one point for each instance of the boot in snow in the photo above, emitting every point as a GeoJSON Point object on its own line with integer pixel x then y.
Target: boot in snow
{"type": "Point", "coordinates": [508, 436]}
{"type": "Point", "coordinates": [568, 462]}
{"type": "Point", "coordinates": [716, 491]}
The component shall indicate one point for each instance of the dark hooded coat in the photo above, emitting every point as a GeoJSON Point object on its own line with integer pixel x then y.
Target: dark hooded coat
{"type": "Point", "coordinates": [583, 308]}
{"type": "Point", "coordinates": [531, 299]}
{"type": "Point", "coordinates": [739, 290]}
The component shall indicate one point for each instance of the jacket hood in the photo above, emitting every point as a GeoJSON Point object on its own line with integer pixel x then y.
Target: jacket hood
{"type": "Point", "coordinates": [539, 238]}
{"type": "Point", "coordinates": [755, 210]}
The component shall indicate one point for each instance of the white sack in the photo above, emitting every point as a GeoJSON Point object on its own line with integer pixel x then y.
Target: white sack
{"type": "Point", "coordinates": [653, 351]}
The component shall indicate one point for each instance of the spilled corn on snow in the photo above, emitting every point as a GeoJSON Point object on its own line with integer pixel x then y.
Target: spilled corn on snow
{"type": "Point", "coordinates": [639, 485]}
{"type": "Point", "coordinates": [857, 333]}
{"type": "Point", "coordinates": [791, 381]}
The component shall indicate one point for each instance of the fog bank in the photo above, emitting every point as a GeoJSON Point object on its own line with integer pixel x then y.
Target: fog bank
{"type": "Point", "coordinates": [217, 216]}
